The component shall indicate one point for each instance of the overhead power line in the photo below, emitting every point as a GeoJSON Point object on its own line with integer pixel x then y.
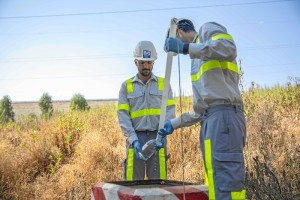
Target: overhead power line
{"type": "Point", "coordinates": [112, 56]}
{"type": "Point", "coordinates": [149, 28]}
{"type": "Point", "coordinates": [143, 10]}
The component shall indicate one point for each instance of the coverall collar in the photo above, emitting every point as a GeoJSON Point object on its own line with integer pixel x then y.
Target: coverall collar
{"type": "Point", "coordinates": [195, 38]}
{"type": "Point", "coordinates": [136, 78]}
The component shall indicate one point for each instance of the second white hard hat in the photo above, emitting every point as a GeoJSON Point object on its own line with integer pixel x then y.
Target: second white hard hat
{"type": "Point", "coordinates": [145, 50]}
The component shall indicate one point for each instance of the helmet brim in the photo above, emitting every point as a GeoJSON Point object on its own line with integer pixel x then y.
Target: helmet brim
{"type": "Point", "coordinates": [145, 59]}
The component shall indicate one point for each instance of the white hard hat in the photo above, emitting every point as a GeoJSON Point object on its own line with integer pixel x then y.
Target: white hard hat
{"type": "Point", "coordinates": [145, 50]}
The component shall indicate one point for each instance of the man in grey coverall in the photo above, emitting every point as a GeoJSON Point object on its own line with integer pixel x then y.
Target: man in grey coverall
{"type": "Point", "coordinates": [217, 105]}
{"type": "Point", "coordinates": [138, 112]}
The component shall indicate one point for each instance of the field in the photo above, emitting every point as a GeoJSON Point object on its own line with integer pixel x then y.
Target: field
{"type": "Point", "coordinates": [25, 108]}
{"type": "Point", "coordinates": [63, 157]}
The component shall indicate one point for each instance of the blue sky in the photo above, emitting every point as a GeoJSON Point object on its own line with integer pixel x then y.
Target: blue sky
{"type": "Point", "coordinates": [64, 47]}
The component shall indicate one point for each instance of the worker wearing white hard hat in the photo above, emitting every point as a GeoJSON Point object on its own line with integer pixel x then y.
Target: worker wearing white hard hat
{"type": "Point", "coordinates": [138, 112]}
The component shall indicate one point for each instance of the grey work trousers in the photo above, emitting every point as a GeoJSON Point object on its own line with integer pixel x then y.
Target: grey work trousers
{"type": "Point", "coordinates": [222, 139]}
{"type": "Point", "coordinates": [154, 168]}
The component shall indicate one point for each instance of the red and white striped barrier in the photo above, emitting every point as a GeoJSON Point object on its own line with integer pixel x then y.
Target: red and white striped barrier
{"type": "Point", "coordinates": [115, 191]}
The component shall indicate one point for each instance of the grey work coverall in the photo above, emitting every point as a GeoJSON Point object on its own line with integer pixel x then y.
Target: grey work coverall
{"type": "Point", "coordinates": [138, 114]}
{"type": "Point", "coordinates": [218, 106]}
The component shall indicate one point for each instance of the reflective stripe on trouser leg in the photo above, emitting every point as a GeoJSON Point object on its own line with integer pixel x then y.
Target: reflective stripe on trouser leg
{"type": "Point", "coordinates": [162, 164]}
{"type": "Point", "coordinates": [241, 195]}
{"type": "Point", "coordinates": [205, 174]}
{"type": "Point", "coordinates": [223, 133]}
{"type": "Point", "coordinates": [156, 165]}
{"type": "Point", "coordinates": [238, 195]}
{"type": "Point", "coordinates": [209, 169]}
{"type": "Point", "coordinates": [129, 165]}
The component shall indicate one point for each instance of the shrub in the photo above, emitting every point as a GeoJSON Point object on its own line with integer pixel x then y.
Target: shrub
{"type": "Point", "coordinates": [78, 102]}
{"type": "Point", "coordinates": [45, 104]}
{"type": "Point", "coordinates": [6, 110]}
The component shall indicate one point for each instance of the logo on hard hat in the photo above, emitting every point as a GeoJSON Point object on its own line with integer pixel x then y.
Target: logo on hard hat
{"type": "Point", "coordinates": [146, 54]}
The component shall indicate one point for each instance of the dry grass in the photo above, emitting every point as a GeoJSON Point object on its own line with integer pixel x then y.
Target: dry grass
{"type": "Point", "coordinates": [63, 157]}
{"type": "Point", "coordinates": [26, 108]}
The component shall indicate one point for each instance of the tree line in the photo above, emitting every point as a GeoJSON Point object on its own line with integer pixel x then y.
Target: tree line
{"type": "Point", "coordinates": [78, 102]}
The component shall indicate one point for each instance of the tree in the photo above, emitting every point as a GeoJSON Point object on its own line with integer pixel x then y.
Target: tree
{"type": "Point", "coordinates": [78, 102]}
{"type": "Point", "coordinates": [6, 110]}
{"type": "Point", "coordinates": [45, 104]}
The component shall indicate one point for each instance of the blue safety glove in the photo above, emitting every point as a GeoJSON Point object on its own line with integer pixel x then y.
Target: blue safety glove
{"type": "Point", "coordinates": [137, 149]}
{"type": "Point", "coordinates": [168, 129]}
{"type": "Point", "coordinates": [163, 143]}
{"type": "Point", "coordinates": [174, 44]}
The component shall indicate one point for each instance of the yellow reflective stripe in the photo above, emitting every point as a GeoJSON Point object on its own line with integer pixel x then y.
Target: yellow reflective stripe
{"type": "Point", "coordinates": [162, 164]}
{"type": "Point", "coordinates": [161, 83]}
{"type": "Point", "coordinates": [213, 64]}
{"type": "Point", "coordinates": [210, 172]}
{"type": "Point", "coordinates": [129, 86]}
{"type": "Point", "coordinates": [216, 37]}
{"type": "Point", "coordinates": [129, 167]}
{"type": "Point", "coordinates": [145, 112]}
{"type": "Point", "coordinates": [222, 36]}
{"type": "Point", "coordinates": [238, 195]}
{"type": "Point", "coordinates": [229, 65]}
{"type": "Point", "coordinates": [124, 107]}
{"type": "Point", "coordinates": [204, 68]}
{"type": "Point", "coordinates": [170, 102]}
{"type": "Point", "coordinates": [198, 39]}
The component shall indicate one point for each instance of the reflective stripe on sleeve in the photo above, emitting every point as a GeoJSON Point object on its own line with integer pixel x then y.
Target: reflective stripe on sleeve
{"type": "Point", "coordinates": [213, 64]}
{"type": "Point", "coordinates": [124, 107]}
{"type": "Point", "coordinates": [222, 36]}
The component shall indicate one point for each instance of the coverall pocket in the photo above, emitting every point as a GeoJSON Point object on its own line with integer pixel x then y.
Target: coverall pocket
{"type": "Point", "coordinates": [156, 92]}
{"type": "Point", "coordinates": [135, 98]}
{"type": "Point", "coordinates": [223, 140]}
{"type": "Point", "coordinates": [156, 96]}
{"type": "Point", "coordinates": [229, 171]}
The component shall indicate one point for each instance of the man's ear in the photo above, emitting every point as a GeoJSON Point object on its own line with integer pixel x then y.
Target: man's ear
{"type": "Point", "coordinates": [179, 32]}
{"type": "Point", "coordinates": [135, 62]}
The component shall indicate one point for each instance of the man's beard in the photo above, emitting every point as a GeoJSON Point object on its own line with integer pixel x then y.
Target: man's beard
{"type": "Point", "coordinates": [145, 72]}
